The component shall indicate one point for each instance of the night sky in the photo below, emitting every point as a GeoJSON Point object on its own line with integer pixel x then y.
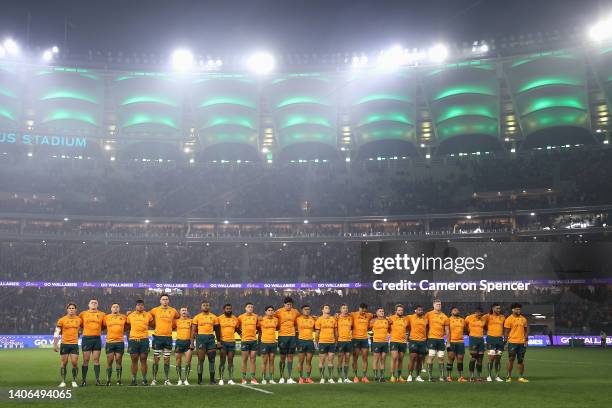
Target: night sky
{"type": "Point", "coordinates": [230, 26]}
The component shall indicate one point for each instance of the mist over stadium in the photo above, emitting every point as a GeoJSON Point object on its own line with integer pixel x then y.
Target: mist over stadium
{"type": "Point", "coordinates": [253, 153]}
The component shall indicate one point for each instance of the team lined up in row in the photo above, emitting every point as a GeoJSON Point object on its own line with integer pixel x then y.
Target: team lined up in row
{"type": "Point", "coordinates": [424, 335]}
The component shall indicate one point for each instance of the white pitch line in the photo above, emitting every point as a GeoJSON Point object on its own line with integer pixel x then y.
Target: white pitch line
{"type": "Point", "coordinates": [256, 389]}
{"type": "Point", "coordinates": [242, 385]}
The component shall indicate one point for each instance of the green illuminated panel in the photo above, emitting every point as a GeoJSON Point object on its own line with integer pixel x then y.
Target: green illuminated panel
{"type": "Point", "coordinates": [549, 91]}
{"type": "Point", "coordinates": [209, 139]}
{"type": "Point", "coordinates": [454, 112]}
{"type": "Point", "coordinates": [464, 100]}
{"type": "Point", "coordinates": [462, 89]}
{"type": "Point", "coordinates": [466, 126]}
{"type": "Point", "coordinates": [225, 108]}
{"type": "Point", "coordinates": [383, 97]}
{"type": "Point", "coordinates": [232, 121]}
{"type": "Point", "coordinates": [387, 117]}
{"type": "Point", "coordinates": [299, 100]}
{"type": "Point", "coordinates": [70, 115]}
{"type": "Point", "coordinates": [148, 99]}
{"type": "Point", "coordinates": [5, 113]}
{"type": "Point", "coordinates": [306, 135]}
{"type": "Point", "coordinates": [142, 119]}
{"type": "Point", "coordinates": [554, 117]}
{"type": "Point", "coordinates": [225, 100]}
{"type": "Point", "coordinates": [7, 92]}
{"type": "Point", "coordinates": [386, 133]}
{"type": "Point", "coordinates": [66, 94]}
{"type": "Point", "coordinates": [303, 109]}
{"type": "Point", "coordinates": [298, 120]}
{"type": "Point", "coordinates": [382, 107]}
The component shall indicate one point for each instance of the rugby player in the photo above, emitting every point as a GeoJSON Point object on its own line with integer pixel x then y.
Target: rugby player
{"type": "Point", "coordinates": [305, 345]}
{"type": "Point", "coordinates": [516, 331]}
{"type": "Point", "coordinates": [345, 345]}
{"type": "Point", "coordinates": [417, 328]}
{"type": "Point", "coordinates": [115, 324]}
{"type": "Point", "coordinates": [380, 343]}
{"type": "Point", "coordinates": [361, 322]}
{"type": "Point", "coordinates": [495, 340]}
{"type": "Point", "coordinates": [248, 328]}
{"type": "Point", "coordinates": [68, 328]}
{"type": "Point", "coordinates": [475, 325]}
{"type": "Point", "coordinates": [206, 326]}
{"type": "Point", "coordinates": [138, 340]}
{"type": "Point", "coordinates": [182, 346]}
{"type": "Point", "coordinates": [326, 333]}
{"type": "Point", "coordinates": [456, 350]}
{"type": "Point", "coordinates": [286, 338]}
{"type": "Point", "coordinates": [267, 338]}
{"type": "Point", "coordinates": [438, 329]}
{"type": "Point", "coordinates": [398, 344]}
{"type": "Point", "coordinates": [91, 341]}
{"type": "Point", "coordinates": [228, 324]}
{"type": "Point", "coordinates": [163, 321]}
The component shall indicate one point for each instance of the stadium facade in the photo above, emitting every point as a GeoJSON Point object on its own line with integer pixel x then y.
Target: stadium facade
{"type": "Point", "coordinates": [544, 99]}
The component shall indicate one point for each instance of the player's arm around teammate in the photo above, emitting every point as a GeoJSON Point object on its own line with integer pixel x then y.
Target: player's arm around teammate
{"type": "Point", "coordinates": [67, 328]}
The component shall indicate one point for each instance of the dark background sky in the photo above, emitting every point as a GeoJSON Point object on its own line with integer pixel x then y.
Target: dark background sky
{"type": "Point", "coordinates": [283, 26]}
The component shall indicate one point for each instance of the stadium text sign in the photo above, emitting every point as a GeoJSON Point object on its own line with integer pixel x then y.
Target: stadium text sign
{"type": "Point", "coordinates": [42, 140]}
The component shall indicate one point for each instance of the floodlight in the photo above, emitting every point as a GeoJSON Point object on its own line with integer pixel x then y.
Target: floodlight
{"type": "Point", "coordinates": [601, 30]}
{"type": "Point", "coordinates": [392, 58]}
{"type": "Point", "coordinates": [438, 53]}
{"type": "Point", "coordinates": [182, 60]}
{"type": "Point", "coordinates": [261, 63]}
{"type": "Point", "coordinates": [11, 46]}
{"type": "Point", "coordinates": [47, 56]}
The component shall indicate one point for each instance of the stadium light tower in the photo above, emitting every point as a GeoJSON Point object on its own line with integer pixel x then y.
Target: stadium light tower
{"type": "Point", "coordinates": [438, 53]}
{"type": "Point", "coordinates": [261, 63]}
{"type": "Point", "coordinates": [182, 60]}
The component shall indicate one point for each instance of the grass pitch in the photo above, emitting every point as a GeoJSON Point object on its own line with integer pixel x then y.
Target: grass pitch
{"type": "Point", "coordinates": [560, 377]}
